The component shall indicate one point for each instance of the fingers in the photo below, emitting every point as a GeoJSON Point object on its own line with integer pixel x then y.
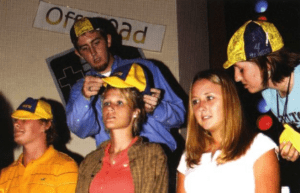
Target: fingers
{"type": "Point", "coordinates": [91, 86]}
{"type": "Point", "coordinates": [295, 156]}
{"type": "Point", "coordinates": [149, 108]}
{"type": "Point", "coordinates": [288, 152]}
{"type": "Point", "coordinates": [155, 92]}
{"type": "Point", "coordinates": [151, 101]}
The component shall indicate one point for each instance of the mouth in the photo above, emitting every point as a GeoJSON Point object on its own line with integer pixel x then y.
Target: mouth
{"type": "Point", "coordinates": [206, 117]}
{"type": "Point", "coordinates": [96, 60]}
{"type": "Point", "coordinates": [110, 118]}
{"type": "Point", "coordinates": [18, 133]}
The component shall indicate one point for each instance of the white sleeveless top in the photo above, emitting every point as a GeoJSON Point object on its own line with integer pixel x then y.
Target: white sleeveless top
{"type": "Point", "coordinates": [232, 177]}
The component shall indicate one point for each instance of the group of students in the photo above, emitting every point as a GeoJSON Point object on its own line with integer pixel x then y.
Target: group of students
{"type": "Point", "coordinates": [130, 108]}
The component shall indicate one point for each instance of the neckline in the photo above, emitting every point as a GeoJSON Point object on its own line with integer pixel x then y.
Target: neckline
{"type": "Point", "coordinates": [284, 112]}
{"type": "Point", "coordinates": [120, 152]}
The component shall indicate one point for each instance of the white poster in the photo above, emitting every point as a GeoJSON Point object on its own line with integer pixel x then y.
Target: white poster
{"type": "Point", "coordinates": [134, 33]}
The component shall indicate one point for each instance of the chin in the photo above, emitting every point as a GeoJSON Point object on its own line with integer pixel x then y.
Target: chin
{"type": "Point", "coordinates": [252, 91]}
{"type": "Point", "coordinates": [100, 68]}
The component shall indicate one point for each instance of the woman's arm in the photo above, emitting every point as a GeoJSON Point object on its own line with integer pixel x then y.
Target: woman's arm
{"type": "Point", "coordinates": [180, 183]}
{"type": "Point", "coordinates": [267, 173]}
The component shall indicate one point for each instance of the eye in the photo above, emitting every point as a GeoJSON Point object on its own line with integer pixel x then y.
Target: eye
{"type": "Point", "coordinates": [105, 104]}
{"type": "Point", "coordinates": [195, 101]}
{"type": "Point", "coordinates": [96, 42]}
{"type": "Point", "coordinates": [84, 48]}
{"type": "Point", "coordinates": [238, 69]}
{"type": "Point", "coordinates": [210, 98]}
{"type": "Point", "coordinates": [120, 102]}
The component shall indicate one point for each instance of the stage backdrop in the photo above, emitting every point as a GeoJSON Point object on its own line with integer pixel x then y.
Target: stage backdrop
{"type": "Point", "coordinates": [24, 48]}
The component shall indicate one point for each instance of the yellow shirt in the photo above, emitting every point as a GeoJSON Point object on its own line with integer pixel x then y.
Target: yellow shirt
{"type": "Point", "coordinates": [53, 172]}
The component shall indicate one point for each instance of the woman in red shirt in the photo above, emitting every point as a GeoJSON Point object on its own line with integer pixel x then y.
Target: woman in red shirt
{"type": "Point", "coordinates": [125, 163]}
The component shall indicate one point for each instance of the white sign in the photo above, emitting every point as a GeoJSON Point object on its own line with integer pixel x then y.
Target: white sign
{"type": "Point", "coordinates": [134, 33]}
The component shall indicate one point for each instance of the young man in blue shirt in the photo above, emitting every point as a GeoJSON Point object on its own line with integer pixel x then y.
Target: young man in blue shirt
{"type": "Point", "coordinates": [93, 41]}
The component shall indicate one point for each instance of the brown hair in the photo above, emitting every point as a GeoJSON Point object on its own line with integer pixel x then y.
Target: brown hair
{"type": "Point", "coordinates": [282, 63]}
{"type": "Point", "coordinates": [51, 134]}
{"type": "Point", "coordinates": [236, 136]}
{"type": "Point", "coordinates": [135, 100]}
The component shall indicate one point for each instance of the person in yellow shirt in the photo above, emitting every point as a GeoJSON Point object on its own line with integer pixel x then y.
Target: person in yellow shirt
{"type": "Point", "coordinates": [40, 168]}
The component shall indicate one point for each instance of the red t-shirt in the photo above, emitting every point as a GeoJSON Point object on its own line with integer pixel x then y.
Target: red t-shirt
{"type": "Point", "coordinates": [115, 177]}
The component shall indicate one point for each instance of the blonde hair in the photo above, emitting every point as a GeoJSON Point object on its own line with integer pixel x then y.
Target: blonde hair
{"type": "Point", "coordinates": [236, 136]}
{"type": "Point", "coordinates": [135, 100]}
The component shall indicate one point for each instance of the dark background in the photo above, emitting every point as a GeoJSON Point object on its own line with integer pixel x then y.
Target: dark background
{"type": "Point", "coordinates": [285, 14]}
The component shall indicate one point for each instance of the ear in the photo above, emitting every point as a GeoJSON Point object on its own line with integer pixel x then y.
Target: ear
{"type": "Point", "coordinates": [136, 113]}
{"type": "Point", "coordinates": [268, 63]}
{"type": "Point", "coordinates": [47, 125]}
{"type": "Point", "coordinates": [269, 69]}
{"type": "Point", "coordinates": [268, 66]}
{"type": "Point", "coordinates": [108, 40]}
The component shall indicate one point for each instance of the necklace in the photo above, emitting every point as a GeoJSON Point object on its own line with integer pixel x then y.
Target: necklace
{"type": "Point", "coordinates": [284, 113]}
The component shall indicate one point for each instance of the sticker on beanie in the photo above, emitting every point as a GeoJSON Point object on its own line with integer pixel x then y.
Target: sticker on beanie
{"type": "Point", "coordinates": [256, 41]}
{"type": "Point", "coordinates": [28, 105]}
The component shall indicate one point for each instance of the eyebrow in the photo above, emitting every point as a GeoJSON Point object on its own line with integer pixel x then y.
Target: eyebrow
{"type": "Point", "coordinates": [97, 38]}
{"type": "Point", "coordinates": [205, 94]}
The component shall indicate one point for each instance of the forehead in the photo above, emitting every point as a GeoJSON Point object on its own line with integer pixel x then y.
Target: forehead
{"type": "Point", "coordinates": [33, 121]}
{"type": "Point", "coordinates": [113, 92]}
{"type": "Point", "coordinates": [89, 36]}
{"type": "Point", "coordinates": [243, 64]}
{"type": "Point", "coordinates": [204, 86]}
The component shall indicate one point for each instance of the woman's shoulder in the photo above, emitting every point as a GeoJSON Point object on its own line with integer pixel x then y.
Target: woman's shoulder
{"type": "Point", "coordinates": [260, 145]}
{"type": "Point", "coordinates": [149, 148]}
{"type": "Point", "coordinates": [261, 138]}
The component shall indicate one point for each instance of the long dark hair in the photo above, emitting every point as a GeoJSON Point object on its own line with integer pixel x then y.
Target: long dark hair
{"type": "Point", "coordinates": [282, 63]}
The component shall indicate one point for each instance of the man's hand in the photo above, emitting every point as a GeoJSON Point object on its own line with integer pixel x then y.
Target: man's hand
{"type": "Point", "coordinates": [151, 101]}
{"type": "Point", "coordinates": [91, 86]}
{"type": "Point", "coordinates": [288, 152]}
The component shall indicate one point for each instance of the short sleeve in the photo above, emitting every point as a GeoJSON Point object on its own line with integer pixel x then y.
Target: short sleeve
{"type": "Point", "coordinates": [182, 167]}
{"type": "Point", "coordinates": [261, 144]}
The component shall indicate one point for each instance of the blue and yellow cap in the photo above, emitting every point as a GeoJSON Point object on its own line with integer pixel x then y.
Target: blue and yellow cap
{"type": "Point", "coordinates": [253, 39]}
{"type": "Point", "coordinates": [33, 109]}
{"type": "Point", "coordinates": [87, 24]}
{"type": "Point", "coordinates": [128, 76]}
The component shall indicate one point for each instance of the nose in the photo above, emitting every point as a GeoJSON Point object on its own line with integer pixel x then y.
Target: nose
{"type": "Point", "coordinates": [16, 123]}
{"type": "Point", "coordinates": [110, 107]}
{"type": "Point", "coordinates": [203, 106]}
{"type": "Point", "coordinates": [93, 51]}
{"type": "Point", "coordinates": [237, 75]}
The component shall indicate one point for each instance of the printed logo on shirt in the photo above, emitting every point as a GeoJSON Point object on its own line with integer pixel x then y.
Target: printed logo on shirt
{"type": "Point", "coordinates": [292, 118]}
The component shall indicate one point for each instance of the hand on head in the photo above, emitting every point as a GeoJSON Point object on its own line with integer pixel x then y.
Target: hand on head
{"type": "Point", "coordinates": [91, 86]}
{"type": "Point", "coordinates": [151, 101]}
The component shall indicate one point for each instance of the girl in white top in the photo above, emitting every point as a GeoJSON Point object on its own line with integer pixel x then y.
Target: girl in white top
{"type": "Point", "coordinates": [222, 154]}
